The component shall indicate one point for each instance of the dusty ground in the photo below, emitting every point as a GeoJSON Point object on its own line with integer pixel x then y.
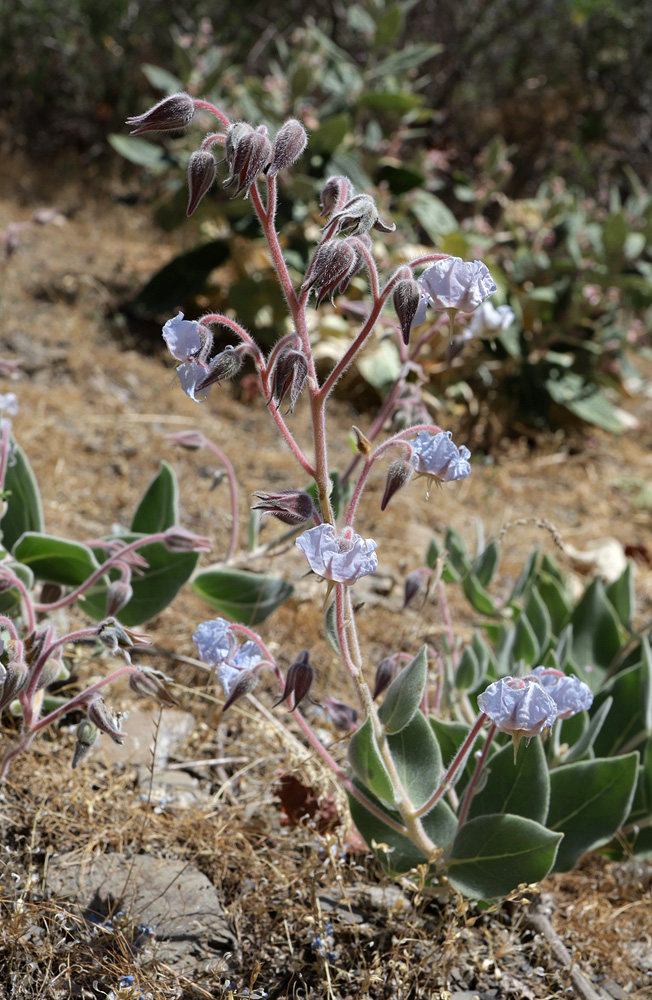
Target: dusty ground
{"type": "Point", "coordinates": [95, 404]}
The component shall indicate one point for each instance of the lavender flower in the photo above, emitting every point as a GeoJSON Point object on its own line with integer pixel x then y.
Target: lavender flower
{"type": "Point", "coordinates": [453, 284]}
{"type": "Point", "coordinates": [214, 641]}
{"type": "Point", "coordinates": [435, 455]}
{"type": "Point", "coordinates": [342, 559]}
{"type": "Point", "coordinates": [570, 694]}
{"type": "Point", "coordinates": [183, 337]}
{"type": "Point", "coordinates": [518, 706]}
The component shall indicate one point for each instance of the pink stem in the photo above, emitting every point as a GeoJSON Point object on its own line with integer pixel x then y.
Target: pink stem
{"type": "Point", "coordinates": [233, 496]}
{"type": "Point", "coordinates": [468, 795]}
{"type": "Point", "coordinates": [458, 761]}
{"type": "Point", "coordinates": [207, 106]}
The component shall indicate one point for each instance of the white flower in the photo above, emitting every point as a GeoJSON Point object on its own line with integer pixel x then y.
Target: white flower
{"type": "Point", "coordinates": [436, 455]}
{"type": "Point", "coordinates": [518, 706]}
{"type": "Point", "coordinates": [182, 337]}
{"type": "Point", "coordinates": [453, 284]}
{"type": "Point", "coordinates": [344, 559]}
{"type": "Point", "coordinates": [488, 321]}
{"type": "Point", "coordinates": [214, 641]}
{"type": "Point", "coordinates": [570, 694]}
{"type": "Point", "coordinates": [191, 373]}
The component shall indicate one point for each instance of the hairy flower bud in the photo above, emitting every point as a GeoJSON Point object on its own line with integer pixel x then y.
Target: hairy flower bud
{"type": "Point", "coordinates": [153, 684]}
{"type": "Point", "coordinates": [50, 593]}
{"type": "Point", "coordinates": [101, 716]}
{"type": "Point", "coordinates": [336, 192]}
{"type": "Point", "coordinates": [299, 680]}
{"type": "Point", "coordinates": [248, 154]}
{"type": "Point", "coordinates": [360, 215]}
{"type": "Point", "coordinates": [399, 473]}
{"type": "Point", "coordinates": [289, 506]}
{"type": "Point", "coordinates": [178, 539]}
{"type": "Point", "coordinates": [244, 683]}
{"type": "Point", "coordinates": [172, 113]}
{"type": "Point", "coordinates": [413, 585]}
{"type": "Point", "coordinates": [54, 670]}
{"type": "Point", "coordinates": [342, 716]}
{"type": "Point", "coordinates": [118, 596]}
{"type": "Point", "coordinates": [15, 679]}
{"type": "Point", "coordinates": [289, 143]}
{"type": "Point", "coordinates": [192, 440]}
{"type": "Point", "coordinates": [87, 734]}
{"type": "Point", "coordinates": [331, 267]}
{"type": "Point", "coordinates": [202, 171]}
{"type": "Point", "coordinates": [224, 366]}
{"type": "Point", "coordinates": [406, 298]}
{"type": "Point", "coordinates": [385, 674]}
{"type": "Point", "coordinates": [289, 375]}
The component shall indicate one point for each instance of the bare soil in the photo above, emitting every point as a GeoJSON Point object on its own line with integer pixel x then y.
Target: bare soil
{"type": "Point", "coordinates": [95, 403]}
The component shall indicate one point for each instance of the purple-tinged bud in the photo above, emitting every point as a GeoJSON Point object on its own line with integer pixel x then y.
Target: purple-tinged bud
{"type": "Point", "coordinates": [101, 716]}
{"type": "Point", "coordinates": [249, 153]}
{"type": "Point", "coordinates": [385, 674]}
{"type": "Point", "coordinates": [289, 375]}
{"type": "Point", "coordinates": [289, 143]}
{"type": "Point", "coordinates": [299, 680]}
{"type": "Point", "coordinates": [399, 473]}
{"type": "Point", "coordinates": [245, 683]}
{"type": "Point", "coordinates": [333, 264]}
{"type": "Point", "coordinates": [406, 298]}
{"type": "Point", "coordinates": [50, 593]}
{"type": "Point", "coordinates": [342, 716]}
{"type": "Point", "coordinates": [336, 192]}
{"type": "Point", "coordinates": [178, 539]}
{"type": "Point", "coordinates": [153, 684]}
{"type": "Point", "coordinates": [289, 506]}
{"type": "Point", "coordinates": [118, 596]}
{"type": "Point", "coordinates": [414, 585]}
{"type": "Point", "coordinates": [54, 670]}
{"type": "Point", "coordinates": [192, 440]}
{"type": "Point", "coordinates": [16, 676]}
{"type": "Point", "coordinates": [360, 215]}
{"type": "Point", "coordinates": [116, 637]}
{"type": "Point", "coordinates": [234, 136]}
{"type": "Point", "coordinates": [87, 734]}
{"type": "Point", "coordinates": [202, 171]}
{"type": "Point", "coordinates": [172, 113]}
{"type": "Point", "coordinates": [224, 366]}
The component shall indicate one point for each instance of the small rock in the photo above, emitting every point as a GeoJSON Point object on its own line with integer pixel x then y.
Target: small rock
{"type": "Point", "coordinates": [142, 739]}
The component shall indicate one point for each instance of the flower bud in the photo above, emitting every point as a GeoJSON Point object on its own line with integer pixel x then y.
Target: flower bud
{"type": "Point", "coordinates": [172, 113]}
{"type": "Point", "coordinates": [192, 440]}
{"type": "Point", "coordinates": [385, 674]}
{"type": "Point", "coordinates": [54, 670]}
{"type": "Point", "coordinates": [298, 681]}
{"type": "Point", "coordinates": [50, 593]}
{"type": "Point", "coordinates": [399, 473]}
{"type": "Point", "coordinates": [178, 539]}
{"type": "Point", "coordinates": [16, 675]}
{"type": "Point", "coordinates": [101, 716]}
{"type": "Point", "coordinates": [413, 585]}
{"type": "Point", "coordinates": [248, 153]}
{"type": "Point", "coordinates": [289, 375]}
{"type": "Point", "coordinates": [118, 596]}
{"type": "Point", "coordinates": [289, 506]}
{"type": "Point", "coordinates": [153, 684]}
{"type": "Point", "coordinates": [245, 683]}
{"type": "Point", "coordinates": [289, 143]}
{"type": "Point", "coordinates": [202, 171]}
{"type": "Point", "coordinates": [360, 215]}
{"type": "Point", "coordinates": [117, 638]}
{"type": "Point", "coordinates": [342, 716]}
{"type": "Point", "coordinates": [336, 192]}
{"type": "Point", "coordinates": [87, 734]}
{"type": "Point", "coordinates": [332, 265]}
{"type": "Point", "coordinates": [224, 366]}
{"type": "Point", "coordinates": [406, 298]}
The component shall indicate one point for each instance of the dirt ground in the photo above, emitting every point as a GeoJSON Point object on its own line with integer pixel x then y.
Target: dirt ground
{"type": "Point", "coordinates": [95, 404]}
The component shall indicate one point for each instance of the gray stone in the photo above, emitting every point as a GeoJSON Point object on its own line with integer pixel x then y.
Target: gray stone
{"type": "Point", "coordinates": [173, 898]}
{"type": "Point", "coordinates": [174, 729]}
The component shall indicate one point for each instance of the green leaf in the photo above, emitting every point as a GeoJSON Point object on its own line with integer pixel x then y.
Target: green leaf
{"type": "Point", "coordinates": [586, 401]}
{"type": "Point", "coordinates": [389, 26]}
{"type": "Point", "coordinates": [432, 555]}
{"type": "Point", "coordinates": [588, 803]}
{"type": "Point", "coordinates": [526, 573]}
{"type": "Point", "coordinates": [330, 628]}
{"type": "Point", "coordinates": [584, 744]}
{"type": "Point", "coordinates": [486, 564]}
{"type": "Point", "coordinates": [154, 589]}
{"type": "Point", "coordinates": [248, 598]}
{"type": "Point", "coordinates": [416, 754]}
{"type": "Point", "coordinates": [402, 855]}
{"type": "Point", "coordinates": [477, 595]}
{"type": "Point", "coordinates": [596, 633]}
{"type": "Point", "coordinates": [161, 79]}
{"type": "Point", "coordinates": [396, 102]}
{"type": "Point", "coordinates": [614, 233]}
{"type": "Point", "coordinates": [521, 788]}
{"type": "Point", "coordinates": [630, 719]}
{"type": "Point", "coordinates": [451, 736]}
{"type": "Point", "coordinates": [622, 596]}
{"type": "Point", "coordinates": [525, 646]}
{"type": "Point", "coordinates": [404, 694]}
{"type": "Point", "coordinates": [366, 761]}
{"type": "Point", "coordinates": [139, 151]}
{"type": "Point", "coordinates": [11, 598]}
{"type": "Point", "coordinates": [381, 365]}
{"type": "Point", "coordinates": [554, 596]}
{"type": "Point", "coordinates": [159, 507]}
{"type": "Point", "coordinates": [492, 855]}
{"type": "Point", "coordinates": [404, 59]}
{"type": "Point", "coordinates": [539, 618]}
{"type": "Point", "coordinates": [456, 552]}
{"type": "Point", "coordinates": [330, 134]}
{"type": "Point", "coordinates": [467, 675]}
{"type": "Point", "coordinates": [432, 215]}
{"type": "Point", "coordinates": [23, 511]}
{"type": "Point", "coordinates": [180, 280]}
{"type": "Point", "coordinates": [56, 560]}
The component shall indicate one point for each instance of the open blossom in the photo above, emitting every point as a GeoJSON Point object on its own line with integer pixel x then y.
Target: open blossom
{"type": "Point", "coordinates": [453, 284]}
{"type": "Point", "coordinates": [217, 645]}
{"type": "Point", "coordinates": [342, 559]}
{"type": "Point", "coordinates": [518, 706]}
{"type": "Point", "coordinates": [489, 320]}
{"type": "Point", "coordinates": [184, 342]}
{"type": "Point", "coordinates": [436, 455]}
{"type": "Point", "coordinates": [570, 694]}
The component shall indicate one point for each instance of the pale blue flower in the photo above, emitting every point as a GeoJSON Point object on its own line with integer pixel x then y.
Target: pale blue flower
{"type": "Point", "coordinates": [570, 694]}
{"type": "Point", "coordinates": [489, 320]}
{"type": "Point", "coordinates": [214, 641]}
{"type": "Point", "coordinates": [182, 337]}
{"type": "Point", "coordinates": [342, 559]}
{"type": "Point", "coordinates": [436, 455]}
{"type": "Point", "coordinates": [453, 284]}
{"type": "Point", "coordinates": [518, 706]}
{"type": "Point", "coordinates": [191, 373]}
{"type": "Point", "coordinates": [9, 403]}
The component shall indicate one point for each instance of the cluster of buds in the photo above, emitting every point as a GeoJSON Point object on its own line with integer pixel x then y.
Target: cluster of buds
{"type": "Point", "coordinates": [332, 267]}
{"type": "Point", "coordinates": [288, 376]}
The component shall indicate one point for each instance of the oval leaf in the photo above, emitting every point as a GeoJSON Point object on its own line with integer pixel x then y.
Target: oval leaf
{"type": "Point", "coordinates": [24, 511]}
{"type": "Point", "coordinates": [416, 754]}
{"type": "Point", "coordinates": [56, 560]}
{"type": "Point", "coordinates": [159, 507]}
{"type": "Point", "coordinates": [366, 761]}
{"type": "Point", "coordinates": [521, 788]}
{"type": "Point", "coordinates": [404, 694]}
{"type": "Point", "coordinates": [244, 597]}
